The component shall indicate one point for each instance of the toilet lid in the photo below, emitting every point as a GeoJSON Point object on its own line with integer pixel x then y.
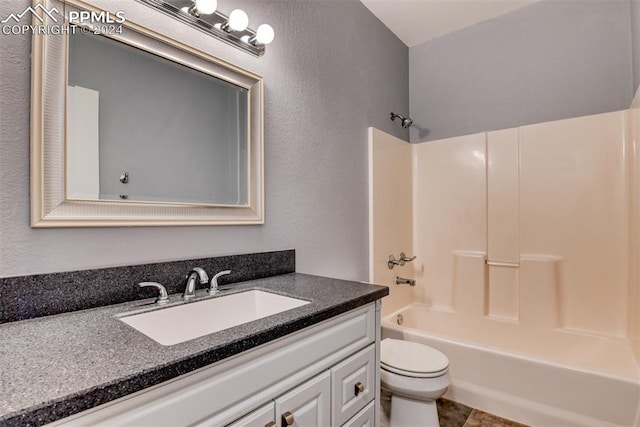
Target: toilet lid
{"type": "Point", "coordinates": [411, 358]}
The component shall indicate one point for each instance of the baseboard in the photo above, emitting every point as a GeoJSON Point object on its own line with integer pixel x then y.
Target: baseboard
{"type": "Point", "coordinates": [516, 409]}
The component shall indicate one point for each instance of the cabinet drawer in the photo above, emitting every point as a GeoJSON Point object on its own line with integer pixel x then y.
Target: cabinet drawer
{"type": "Point", "coordinates": [352, 385]}
{"type": "Point", "coordinates": [364, 418]}
{"type": "Point", "coordinates": [263, 416]}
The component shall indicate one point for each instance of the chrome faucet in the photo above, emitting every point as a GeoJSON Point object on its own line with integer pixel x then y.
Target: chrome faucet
{"type": "Point", "coordinates": [403, 281]}
{"type": "Point", "coordinates": [214, 282]}
{"type": "Point", "coordinates": [195, 274]}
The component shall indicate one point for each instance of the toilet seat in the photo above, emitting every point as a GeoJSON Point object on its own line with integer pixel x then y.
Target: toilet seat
{"type": "Point", "coordinates": [412, 359]}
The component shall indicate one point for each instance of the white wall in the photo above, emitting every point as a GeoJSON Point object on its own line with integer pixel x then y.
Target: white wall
{"type": "Point", "coordinates": [390, 215]}
{"type": "Point", "coordinates": [450, 217]}
{"type": "Point", "coordinates": [549, 200]}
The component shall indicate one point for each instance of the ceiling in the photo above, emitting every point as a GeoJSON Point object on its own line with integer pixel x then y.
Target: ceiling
{"type": "Point", "coordinates": [416, 21]}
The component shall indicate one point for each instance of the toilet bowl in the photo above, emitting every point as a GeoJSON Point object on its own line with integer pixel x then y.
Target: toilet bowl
{"type": "Point", "coordinates": [415, 375]}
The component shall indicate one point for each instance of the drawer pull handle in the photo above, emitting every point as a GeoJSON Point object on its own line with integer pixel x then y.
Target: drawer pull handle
{"type": "Point", "coordinates": [359, 388]}
{"type": "Point", "coordinates": [287, 418]}
{"type": "Point", "coordinates": [271, 424]}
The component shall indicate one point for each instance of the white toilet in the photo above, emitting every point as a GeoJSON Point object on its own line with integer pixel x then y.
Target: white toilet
{"type": "Point", "coordinates": [415, 375]}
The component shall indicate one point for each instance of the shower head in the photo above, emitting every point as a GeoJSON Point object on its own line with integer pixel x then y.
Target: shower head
{"type": "Point", "coordinates": [406, 122]}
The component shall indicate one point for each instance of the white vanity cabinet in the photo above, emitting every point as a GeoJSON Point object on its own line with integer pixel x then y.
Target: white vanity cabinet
{"type": "Point", "coordinates": [263, 416]}
{"type": "Point", "coordinates": [323, 375]}
{"type": "Point", "coordinates": [309, 404]}
{"type": "Point", "coordinates": [364, 418]}
{"type": "Point", "coordinates": [306, 405]}
{"type": "Point", "coordinates": [353, 385]}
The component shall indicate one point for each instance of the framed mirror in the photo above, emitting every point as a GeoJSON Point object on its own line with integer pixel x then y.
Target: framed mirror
{"type": "Point", "coordinates": [132, 128]}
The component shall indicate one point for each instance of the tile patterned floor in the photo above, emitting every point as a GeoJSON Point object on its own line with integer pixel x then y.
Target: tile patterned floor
{"type": "Point", "coordinates": [453, 414]}
{"type": "Point", "coordinates": [482, 419]}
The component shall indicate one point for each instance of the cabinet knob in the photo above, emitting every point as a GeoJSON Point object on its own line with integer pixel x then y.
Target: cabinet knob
{"type": "Point", "coordinates": [287, 418]}
{"type": "Point", "coordinates": [359, 388]}
{"type": "Point", "coordinates": [271, 424]}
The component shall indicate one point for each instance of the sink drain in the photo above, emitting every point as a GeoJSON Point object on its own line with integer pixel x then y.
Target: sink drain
{"type": "Point", "coordinates": [399, 319]}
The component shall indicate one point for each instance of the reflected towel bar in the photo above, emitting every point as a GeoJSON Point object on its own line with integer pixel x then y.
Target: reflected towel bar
{"type": "Point", "coordinates": [503, 264]}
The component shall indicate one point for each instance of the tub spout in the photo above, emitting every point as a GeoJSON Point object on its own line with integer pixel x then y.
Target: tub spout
{"type": "Point", "coordinates": [403, 281]}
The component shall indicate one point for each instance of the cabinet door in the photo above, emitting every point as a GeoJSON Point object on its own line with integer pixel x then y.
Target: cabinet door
{"type": "Point", "coordinates": [261, 417]}
{"type": "Point", "coordinates": [307, 405]}
{"type": "Point", "coordinates": [364, 418]}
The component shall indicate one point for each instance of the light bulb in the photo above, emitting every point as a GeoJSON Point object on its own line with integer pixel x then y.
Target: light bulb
{"type": "Point", "coordinates": [206, 7]}
{"type": "Point", "coordinates": [264, 34]}
{"type": "Point", "coordinates": [238, 20]}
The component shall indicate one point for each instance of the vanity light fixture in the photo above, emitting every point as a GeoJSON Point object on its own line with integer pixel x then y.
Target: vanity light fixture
{"type": "Point", "coordinates": [233, 29]}
{"type": "Point", "coordinates": [201, 7]}
{"type": "Point", "coordinates": [264, 35]}
{"type": "Point", "coordinates": [238, 21]}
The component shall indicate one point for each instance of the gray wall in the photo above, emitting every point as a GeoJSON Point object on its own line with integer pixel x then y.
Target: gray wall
{"type": "Point", "coordinates": [332, 71]}
{"type": "Point", "coordinates": [548, 61]}
{"type": "Point", "coordinates": [635, 42]}
{"type": "Point", "coordinates": [173, 129]}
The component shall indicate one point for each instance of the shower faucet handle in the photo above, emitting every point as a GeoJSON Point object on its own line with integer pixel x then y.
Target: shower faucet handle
{"type": "Point", "coordinates": [404, 258]}
{"type": "Point", "coordinates": [400, 261]}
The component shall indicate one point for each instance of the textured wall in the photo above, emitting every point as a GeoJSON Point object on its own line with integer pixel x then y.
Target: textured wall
{"type": "Point", "coordinates": [548, 61]}
{"type": "Point", "coordinates": [332, 71]}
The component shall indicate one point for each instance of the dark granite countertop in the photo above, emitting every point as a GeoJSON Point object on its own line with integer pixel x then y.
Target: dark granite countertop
{"type": "Point", "coordinates": [56, 366]}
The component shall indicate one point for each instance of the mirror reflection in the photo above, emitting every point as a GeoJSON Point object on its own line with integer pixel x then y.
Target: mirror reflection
{"type": "Point", "coordinates": [143, 128]}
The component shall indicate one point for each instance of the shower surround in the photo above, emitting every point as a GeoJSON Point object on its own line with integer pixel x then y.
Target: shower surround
{"type": "Point", "coordinates": [527, 242]}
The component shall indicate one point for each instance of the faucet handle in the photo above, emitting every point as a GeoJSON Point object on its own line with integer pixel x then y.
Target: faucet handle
{"type": "Point", "coordinates": [400, 261]}
{"type": "Point", "coordinates": [214, 281]}
{"type": "Point", "coordinates": [163, 298]}
{"type": "Point", "coordinates": [404, 258]}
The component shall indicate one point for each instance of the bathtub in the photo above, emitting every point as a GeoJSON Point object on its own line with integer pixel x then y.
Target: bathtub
{"type": "Point", "coordinates": [540, 378]}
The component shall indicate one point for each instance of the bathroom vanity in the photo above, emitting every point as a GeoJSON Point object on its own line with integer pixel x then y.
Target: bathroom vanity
{"type": "Point", "coordinates": [315, 364]}
{"type": "Point", "coordinates": [323, 375]}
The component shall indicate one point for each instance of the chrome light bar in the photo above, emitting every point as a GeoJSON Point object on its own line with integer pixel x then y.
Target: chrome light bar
{"type": "Point", "coordinates": [215, 24]}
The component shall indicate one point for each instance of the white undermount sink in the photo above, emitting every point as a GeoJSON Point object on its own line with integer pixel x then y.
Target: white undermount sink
{"type": "Point", "coordinates": [173, 325]}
